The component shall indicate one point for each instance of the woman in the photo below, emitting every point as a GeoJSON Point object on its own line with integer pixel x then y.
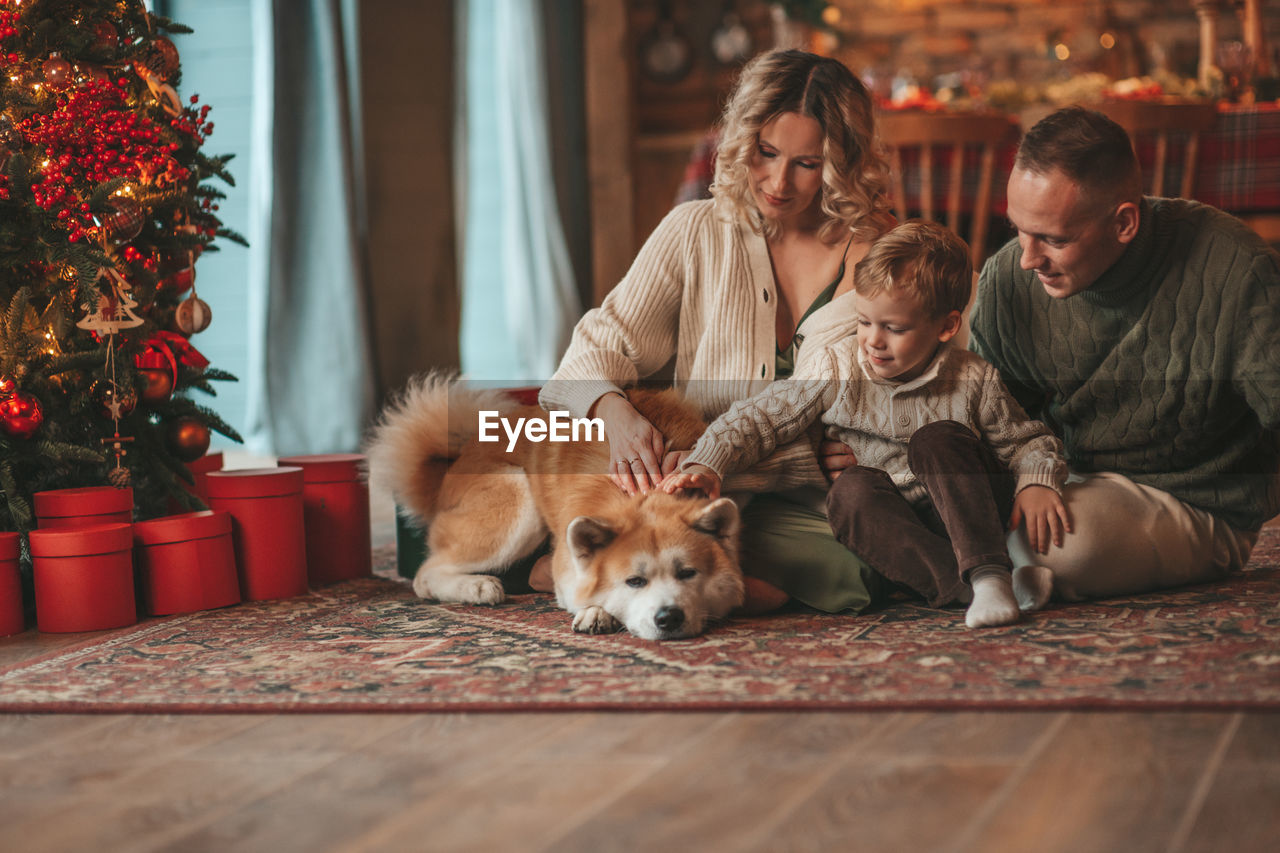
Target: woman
{"type": "Point", "coordinates": [737, 289]}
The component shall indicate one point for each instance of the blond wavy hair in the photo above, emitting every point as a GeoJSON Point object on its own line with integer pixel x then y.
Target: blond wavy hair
{"type": "Point", "coordinates": [855, 174]}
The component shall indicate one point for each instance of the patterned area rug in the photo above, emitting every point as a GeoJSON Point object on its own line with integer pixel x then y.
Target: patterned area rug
{"type": "Point", "coordinates": [369, 645]}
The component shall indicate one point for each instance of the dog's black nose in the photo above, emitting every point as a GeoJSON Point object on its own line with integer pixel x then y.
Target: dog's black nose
{"type": "Point", "coordinates": [669, 618]}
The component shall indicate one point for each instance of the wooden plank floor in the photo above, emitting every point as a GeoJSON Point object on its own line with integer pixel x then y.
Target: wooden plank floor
{"type": "Point", "coordinates": [642, 781]}
{"type": "Point", "coordinates": [961, 781]}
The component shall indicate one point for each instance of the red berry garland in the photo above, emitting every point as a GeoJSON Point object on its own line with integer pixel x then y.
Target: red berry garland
{"type": "Point", "coordinates": [93, 136]}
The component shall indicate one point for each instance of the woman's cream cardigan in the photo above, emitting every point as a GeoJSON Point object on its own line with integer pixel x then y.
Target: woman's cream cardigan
{"type": "Point", "coordinates": [701, 290]}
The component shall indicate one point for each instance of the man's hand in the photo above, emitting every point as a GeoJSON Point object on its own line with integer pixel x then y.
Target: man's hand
{"type": "Point", "coordinates": [1046, 516]}
{"type": "Point", "coordinates": [834, 457]}
{"type": "Point", "coordinates": [695, 478]}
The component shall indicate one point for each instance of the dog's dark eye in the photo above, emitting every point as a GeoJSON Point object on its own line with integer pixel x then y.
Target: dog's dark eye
{"type": "Point", "coordinates": [637, 581]}
{"type": "Point", "coordinates": [686, 574]}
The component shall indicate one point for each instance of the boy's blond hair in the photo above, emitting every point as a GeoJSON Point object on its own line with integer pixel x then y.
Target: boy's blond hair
{"type": "Point", "coordinates": [923, 261]}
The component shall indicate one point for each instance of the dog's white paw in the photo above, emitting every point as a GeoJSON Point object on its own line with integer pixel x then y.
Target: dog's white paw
{"type": "Point", "coordinates": [460, 589]}
{"type": "Point", "coordinates": [594, 620]}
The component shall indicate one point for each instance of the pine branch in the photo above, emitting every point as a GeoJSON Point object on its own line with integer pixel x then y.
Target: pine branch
{"type": "Point", "coordinates": [62, 451]}
{"type": "Point", "coordinates": [19, 509]}
{"type": "Point", "coordinates": [84, 360]}
{"type": "Point", "coordinates": [228, 234]}
{"type": "Point", "coordinates": [16, 313]}
{"type": "Point", "coordinates": [217, 423]}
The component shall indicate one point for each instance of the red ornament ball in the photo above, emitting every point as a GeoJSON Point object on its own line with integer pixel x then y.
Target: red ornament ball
{"type": "Point", "coordinates": [7, 387]}
{"type": "Point", "coordinates": [125, 220]}
{"type": "Point", "coordinates": [157, 384]}
{"type": "Point", "coordinates": [192, 315]}
{"type": "Point", "coordinates": [180, 282]}
{"type": "Point", "coordinates": [105, 37]}
{"type": "Point", "coordinates": [188, 438]}
{"type": "Point", "coordinates": [20, 415]}
{"type": "Point", "coordinates": [57, 71]}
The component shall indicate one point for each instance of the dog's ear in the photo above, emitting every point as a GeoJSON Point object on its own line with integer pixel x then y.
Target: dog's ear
{"type": "Point", "coordinates": [719, 519]}
{"type": "Point", "coordinates": [586, 535]}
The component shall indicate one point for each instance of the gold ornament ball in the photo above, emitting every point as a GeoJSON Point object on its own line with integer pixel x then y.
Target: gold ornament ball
{"type": "Point", "coordinates": [192, 315]}
{"type": "Point", "coordinates": [157, 384]}
{"type": "Point", "coordinates": [188, 438]}
{"type": "Point", "coordinates": [163, 58]}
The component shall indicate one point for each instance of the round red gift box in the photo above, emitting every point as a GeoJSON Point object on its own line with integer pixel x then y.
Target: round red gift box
{"type": "Point", "coordinates": [200, 469]}
{"type": "Point", "coordinates": [335, 502]}
{"type": "Point", "coordinates": [11, 621]}
{"type": "Point", "coordinates": [267, 527]}
{"type": "Point", "coordinates": [84, 578]}
{"type": "Point", "coordinates": [186, 562]}
{"type": "Point", "coordinates": [81, 507]}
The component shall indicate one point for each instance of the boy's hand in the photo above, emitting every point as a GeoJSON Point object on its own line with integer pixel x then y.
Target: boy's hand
{"type": "Point", "coordinates": [1046, 516]}
{"type": "Point", "coordinates": [695, 478]}
{"type": "Point", "coordinates": [834, 457]}
{"type": "Point", "coordinates": [673, 460]}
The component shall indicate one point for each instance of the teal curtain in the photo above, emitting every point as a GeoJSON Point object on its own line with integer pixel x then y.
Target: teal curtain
{"type": "Point", "coordinates": [310, 383]}
{"type": "Point", "coordinates": [519, 294]}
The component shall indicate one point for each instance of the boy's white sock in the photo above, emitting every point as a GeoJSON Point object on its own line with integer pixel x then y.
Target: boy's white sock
{"type": "Point", "coordinates": [993, 601]}
{"type": "Point", "coordinates": [1032, 586]}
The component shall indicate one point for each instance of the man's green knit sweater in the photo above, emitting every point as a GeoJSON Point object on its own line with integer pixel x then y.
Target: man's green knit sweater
{"type": "Point", "coordinates": [1165, 370]}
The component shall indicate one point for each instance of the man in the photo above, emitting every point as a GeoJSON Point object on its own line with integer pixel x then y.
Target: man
{"type": "Point", "coordinates": [1146, 333]}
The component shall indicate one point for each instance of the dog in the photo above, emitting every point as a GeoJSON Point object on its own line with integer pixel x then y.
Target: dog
{"type": "Point", "coordinates": [662, 566]}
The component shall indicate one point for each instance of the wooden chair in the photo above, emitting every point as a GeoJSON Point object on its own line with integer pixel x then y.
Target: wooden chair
{"type": "Point", "coordinates": [927, 132]}
{"type": "Point", "coordinates": [1163, 119]}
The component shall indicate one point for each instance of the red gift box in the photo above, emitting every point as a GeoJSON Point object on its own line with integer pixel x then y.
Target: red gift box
{"type": "Point", "coordinates": [84, 577]}
{"type": "Point", "coordinates": [200, 469]}
{"type": "Point", "coordinates": [186, 562]}
{"type": "Point", "coordinates": [82, 507]}
{"type": "Point", "coordinates": [11, 620]}
{"type": "Point", "coordinates": [335, 502]}
{"type": "Point", "coordinates": [267, 526]}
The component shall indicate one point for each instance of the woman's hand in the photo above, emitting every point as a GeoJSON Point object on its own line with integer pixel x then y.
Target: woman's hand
{"type": "Point", "coordinates": [1046, 516]}
{"type": "Point", "coordinates": [635, 445]}
{"type": "Point", "coordinates": [696, 478]}
{"type": "Point", "coordinates": [834, 457]}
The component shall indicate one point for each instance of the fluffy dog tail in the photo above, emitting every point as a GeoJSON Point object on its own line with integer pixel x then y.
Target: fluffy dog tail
{"type": "Point", "coordinates": [421, 433]}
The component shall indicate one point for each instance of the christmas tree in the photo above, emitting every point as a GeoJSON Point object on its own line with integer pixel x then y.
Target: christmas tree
{"type": "Point", "coordinates": [106, 202]}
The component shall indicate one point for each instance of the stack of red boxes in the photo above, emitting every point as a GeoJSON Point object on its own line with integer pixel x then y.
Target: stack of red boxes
{"type": "Point", "coordinates": [82, 559]}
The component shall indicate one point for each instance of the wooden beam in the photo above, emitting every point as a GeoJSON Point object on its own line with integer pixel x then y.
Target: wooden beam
{"type": "Point", "coordinates": [609, 135]}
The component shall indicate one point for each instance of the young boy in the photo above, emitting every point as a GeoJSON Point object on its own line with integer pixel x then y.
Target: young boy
{"type": "Point", "coordinates": [944, 453]}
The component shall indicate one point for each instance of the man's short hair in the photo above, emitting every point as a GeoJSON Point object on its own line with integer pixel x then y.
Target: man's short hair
{"type": "Point", "coordinates": [923, 261]}
{"type": "Point", "coordinates": [1087, 147]}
